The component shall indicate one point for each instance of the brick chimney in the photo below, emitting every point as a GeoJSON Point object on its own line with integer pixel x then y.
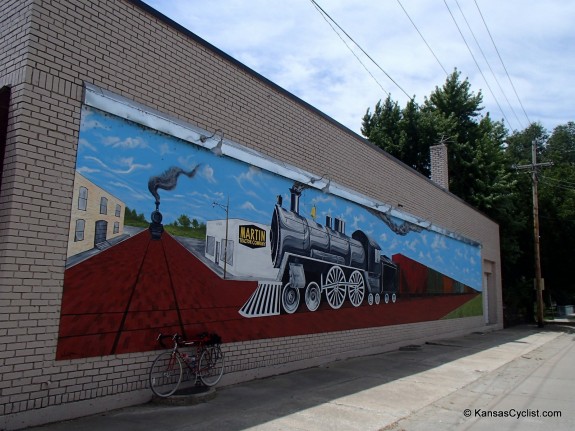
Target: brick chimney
{"type": "Point", "coordinates": [438, 159]}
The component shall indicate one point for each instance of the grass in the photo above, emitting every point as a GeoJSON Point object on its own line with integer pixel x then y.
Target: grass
{"type": "Point", "coordinates": [473, 307]}
{"type": "Point", "coordinates": [188, 232]}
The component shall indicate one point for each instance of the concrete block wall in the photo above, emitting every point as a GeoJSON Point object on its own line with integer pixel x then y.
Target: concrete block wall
{"type": "Point", "coordinates": [48, 50]}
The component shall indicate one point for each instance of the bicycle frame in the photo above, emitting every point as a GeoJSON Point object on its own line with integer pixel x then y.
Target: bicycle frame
{"type": "Point", "coordinates": [205, 362]}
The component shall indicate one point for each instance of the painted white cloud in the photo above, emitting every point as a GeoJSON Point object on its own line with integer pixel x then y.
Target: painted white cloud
{"type": "Point", "coordinates": [251, 176]}
{"type": "Point", "coordinates": [207, 172]}
{"type": "Point", "coordinates": [87, 122]}
{"type": "Point", "coordinates": [128, 162]}
{"type": "Point", "coordinates": [127, 143]}
{"type": "Point", "coordinates": [86, 144]}
{"type": "Point", "coordinates": [250, 207]}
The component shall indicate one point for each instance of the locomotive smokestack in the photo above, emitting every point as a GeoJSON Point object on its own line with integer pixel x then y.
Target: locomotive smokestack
{"type": "Point", "coordinates": [339, 225]}
{"type": "Point", "coordinates": [295, 194]}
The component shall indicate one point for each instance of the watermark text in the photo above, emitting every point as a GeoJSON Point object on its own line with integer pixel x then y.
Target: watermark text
{"type": "Point", "coordinates": [512, 413]}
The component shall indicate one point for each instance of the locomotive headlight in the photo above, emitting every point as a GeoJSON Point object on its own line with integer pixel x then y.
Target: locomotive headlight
{"type": "Point", "coordinates": [156, 217]}
{"type": "Point", "coordinates": [156, 228]}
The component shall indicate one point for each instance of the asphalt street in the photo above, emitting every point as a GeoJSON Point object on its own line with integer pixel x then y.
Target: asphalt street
{"type": "Point", "coordinates": [517, 378]}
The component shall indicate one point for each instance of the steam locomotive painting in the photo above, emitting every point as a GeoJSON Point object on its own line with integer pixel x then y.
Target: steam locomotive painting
{"type": "Point", "coordinates": [316, 260]}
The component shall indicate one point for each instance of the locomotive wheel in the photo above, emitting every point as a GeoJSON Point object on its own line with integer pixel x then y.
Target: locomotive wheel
{"type": "Point", "coordinates": [370, 299]}
{"type": "Point", "coordinates": [312, 296]}
{"type": "Point", "coordinates": [386, 298]}
{"type": "Point", "coordinates": [377, 299]}
{"type": "Point", "coordinates": [393, 297]}
{"type": "Point", "coordinates": [335, 287]}
{"type": "Point", "coordinates": [290, 298]}
{"type": "Point", "coordinates": [356, 288]}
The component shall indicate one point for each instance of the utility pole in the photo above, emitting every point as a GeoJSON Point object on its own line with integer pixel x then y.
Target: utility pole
{"type": "Point", "coordinates": [226, 208]}
{"type": "Point", "coordinates": [538, 279]}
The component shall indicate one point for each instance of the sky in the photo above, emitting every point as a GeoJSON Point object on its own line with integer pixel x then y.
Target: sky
{"type": "Point", "coordinates": [121, 156]}
{"type": "Point", "coordinates": [523, 64]}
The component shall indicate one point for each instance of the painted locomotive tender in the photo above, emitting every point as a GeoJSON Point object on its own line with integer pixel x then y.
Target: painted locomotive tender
{"type": "Point", "coordinates": [323, 259]}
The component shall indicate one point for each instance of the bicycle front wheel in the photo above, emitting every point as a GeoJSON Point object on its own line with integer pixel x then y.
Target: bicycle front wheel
{"type": "Point", "coordinates": [211, 366]}
{"type": "Point", "coordinates": [165, 374]}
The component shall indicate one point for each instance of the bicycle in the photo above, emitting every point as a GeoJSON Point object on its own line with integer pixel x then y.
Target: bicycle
{"type": "Point", "coordinates": [206, 361]}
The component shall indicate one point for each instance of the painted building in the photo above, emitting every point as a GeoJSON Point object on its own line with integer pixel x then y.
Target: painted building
{"type": "Point", "coordinates": [96, 218]}
{"type": "Point", "coordinates": [362, 254]}
{"type": "Point", "coordinates": [247, 253]}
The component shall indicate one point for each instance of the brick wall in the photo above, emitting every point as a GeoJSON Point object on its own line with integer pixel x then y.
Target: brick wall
{"type": "Point", "coordinates": [48, 50]}
{"type": "Point", "coordinates": [439, 167]}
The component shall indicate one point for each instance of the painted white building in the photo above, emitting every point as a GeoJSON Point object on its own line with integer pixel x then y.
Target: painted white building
{"type": "Point", "coordinates": [248, 251]}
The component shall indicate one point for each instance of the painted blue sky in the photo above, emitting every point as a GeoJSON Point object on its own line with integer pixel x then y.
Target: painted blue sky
{"type": "Point", "coordinates": [121, 156]}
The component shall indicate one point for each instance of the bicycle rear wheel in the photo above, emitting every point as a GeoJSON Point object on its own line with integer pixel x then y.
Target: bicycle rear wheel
{"type": "Point", "coordinates": [211, 367]}
{"type": "Point", "coordinates": [165, 374]}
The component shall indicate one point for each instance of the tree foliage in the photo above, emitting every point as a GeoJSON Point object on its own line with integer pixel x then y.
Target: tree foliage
{"type": "Point", "coordinates": [479, 171]}
{"type": "Point", "coordinates": [482, 160]}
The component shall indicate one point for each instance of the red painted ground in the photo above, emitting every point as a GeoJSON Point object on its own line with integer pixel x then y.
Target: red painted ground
{"type": "Point", "coordinates": [119, 300]}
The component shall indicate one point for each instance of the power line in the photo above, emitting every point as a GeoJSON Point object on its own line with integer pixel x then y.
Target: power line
{"type": "Point", "coordinates": [502, 63]}
{"type": "Point", "coordinates": [320, 9]}
{"type": "Point", "coordinates": [425, 41]}
{"type": "Point", "coordinates": [561, 184]}
{"type": "Point", "coordinates": [487, 62]}
{"type": "Point", "coordinates": [475, 60]}
{"type": "Point", "coordinates": [348, 47]}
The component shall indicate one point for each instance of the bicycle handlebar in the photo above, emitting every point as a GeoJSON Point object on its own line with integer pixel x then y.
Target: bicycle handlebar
{"type": "Point", "coordinates": [177, 338]}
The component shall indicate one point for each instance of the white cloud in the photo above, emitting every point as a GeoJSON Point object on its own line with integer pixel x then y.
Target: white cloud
{"type": "Point", "coordinates": [87, 170]}
{"type": "Point", "coordinates": [87, 122]}
{"type": "Point", "coordinates": [82, 142]}
{"type": "Point", "coordinates": [412, 245]}
{"type": "Point", "coordinates": [293, 46]}
{"type": "Point", "coordinates": [128, 162]}
{"type": "Point", "coordinates": [208, 173]}
{"type": "Point", "coordinates": [249, 179]}
{"type": "Point", "coordinates": [251, 207]}
{"type": "Point", "coordinates": [127, 143]}
{"type": "Point", "coordinates": [439, 243]}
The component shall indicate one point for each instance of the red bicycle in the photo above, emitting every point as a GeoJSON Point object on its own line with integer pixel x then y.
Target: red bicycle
{"type": "Point", "coordinates": [199, 357]}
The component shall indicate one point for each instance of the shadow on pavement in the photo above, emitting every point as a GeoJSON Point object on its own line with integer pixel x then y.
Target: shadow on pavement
{"type": "Point", "coordinates": [257, 403]}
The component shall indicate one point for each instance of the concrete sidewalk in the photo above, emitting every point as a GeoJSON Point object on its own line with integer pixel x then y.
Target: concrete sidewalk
{"type": "Point", "coordinates": [403, 389]}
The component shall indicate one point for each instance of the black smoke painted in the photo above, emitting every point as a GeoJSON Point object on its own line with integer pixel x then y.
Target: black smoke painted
{"type": "Point", "coordinates": [168, 180]}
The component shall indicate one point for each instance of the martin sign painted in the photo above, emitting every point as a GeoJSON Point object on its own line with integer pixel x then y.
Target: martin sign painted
{"type": "Point", "coordinates": [252, 236]}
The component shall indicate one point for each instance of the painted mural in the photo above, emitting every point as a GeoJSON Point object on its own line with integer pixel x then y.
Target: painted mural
{"type": "Point", "coordinates": [170, 235]}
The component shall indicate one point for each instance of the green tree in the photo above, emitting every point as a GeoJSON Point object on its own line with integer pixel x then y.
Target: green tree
{"type": "Point", "coordinates": [557, 213]}
{"type": "Point", "coordinates": [457, 108]}
{"type": "Point", "coordinates": [517, 234]}
{"type": "Point", "coordinates": [382, 127]}
{"type": "Point", "coordinates": [480, 159]}
{"type": "Point", "coordinates": [132, 218]}
{"type": "Point", "coordinates": [184, 221]}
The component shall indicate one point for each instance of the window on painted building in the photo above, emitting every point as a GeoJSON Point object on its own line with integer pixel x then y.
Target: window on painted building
{"type": "Point", "coordinates": [210, 245]}
{"type": "Point", "coordinates": [118, 210]}
{"type": "Point", "coordinates": [228, 251]}
{"type": "Point", "coordinates": [83, 199]}
{"type": "Point", "coordinates": [103, 205]}
{"type": "Point", "coordinates": [116, 227]}
{"type": "Point", "coordinates": [79, 232]}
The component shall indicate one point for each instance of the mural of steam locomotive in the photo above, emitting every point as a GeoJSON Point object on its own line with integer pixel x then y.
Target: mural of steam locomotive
{"type": "Point", "coordinates": [322, 260]}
